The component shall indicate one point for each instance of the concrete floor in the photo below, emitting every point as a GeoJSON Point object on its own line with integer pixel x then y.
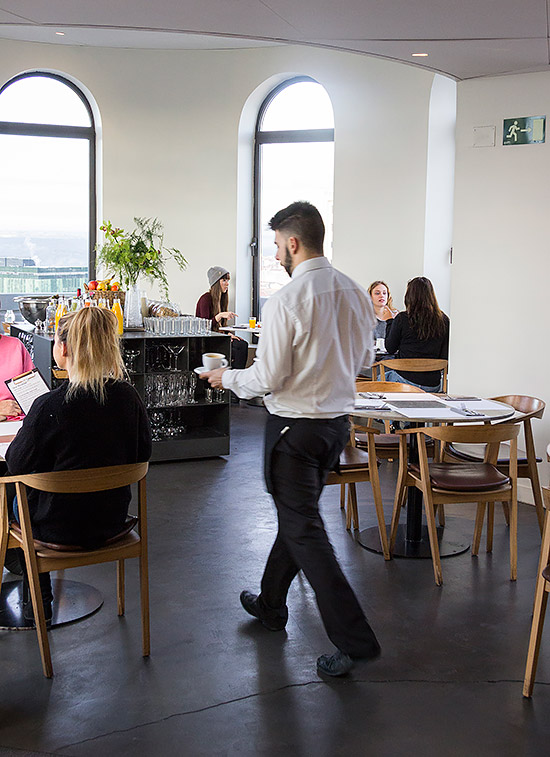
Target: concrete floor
{"type": "Point", "coordinates": [449, 679]}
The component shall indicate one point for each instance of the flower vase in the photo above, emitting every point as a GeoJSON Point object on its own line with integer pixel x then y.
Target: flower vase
{"type": "Point", "coordinates": [132, 308]}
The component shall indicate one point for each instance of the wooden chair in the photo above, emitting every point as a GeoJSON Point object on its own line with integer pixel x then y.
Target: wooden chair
{"type": "Point", "coordinates": [453, 483]}
{"type": "Point", "coordinates": [41, 557]}
{"type": "Point", "coordinates": [355, 466]}
{"type": "Point", "coordinates": [412, 365]}
{"type": "Point", "coordinates": [528, 407]}
{"type": "Point", "coordinates": [542, 588]}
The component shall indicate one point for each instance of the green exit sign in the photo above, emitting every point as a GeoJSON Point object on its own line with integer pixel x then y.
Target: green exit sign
{"type": "Point", "coordinates": [530, 130]}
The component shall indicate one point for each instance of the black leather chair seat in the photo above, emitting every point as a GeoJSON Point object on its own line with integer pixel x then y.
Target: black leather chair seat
{"type": "Point", "coordinates": [546, 573]}
{"type": "Point", "coordinates": [472, 452]}
{"type": "Point", "coordinates": [463, 477]}
{"type": "Point", "coordinates": [352, 457]}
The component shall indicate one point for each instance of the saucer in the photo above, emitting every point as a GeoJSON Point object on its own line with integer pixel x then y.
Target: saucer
{"type": "Point", "coordinates": [200, 369]}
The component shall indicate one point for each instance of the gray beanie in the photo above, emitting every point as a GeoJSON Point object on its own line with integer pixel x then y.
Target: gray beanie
{"type": "Point", "coordinates": [215, 274]}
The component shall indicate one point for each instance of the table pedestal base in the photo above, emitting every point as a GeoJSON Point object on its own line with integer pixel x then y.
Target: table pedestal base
{"type": "Point", "coordinates": [451, 541]}
{"type": "Point", "coordinates": [72, 601]}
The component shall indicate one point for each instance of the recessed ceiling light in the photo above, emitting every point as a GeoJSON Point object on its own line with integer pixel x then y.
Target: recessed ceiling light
{"type": "Point", "coordinates": [419, 55]}
{"type": "Point", "coordinates": [60, 34]}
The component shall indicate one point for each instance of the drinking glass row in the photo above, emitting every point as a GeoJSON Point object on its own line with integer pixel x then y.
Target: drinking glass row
{"type": "Point", "coordinates": [169, 390]}
{"type": "Point", "coordinates": [182, 325]}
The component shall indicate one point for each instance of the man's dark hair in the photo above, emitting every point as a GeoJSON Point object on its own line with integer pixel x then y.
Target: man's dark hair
{"type": "Point", "coordinates": [301, 220]}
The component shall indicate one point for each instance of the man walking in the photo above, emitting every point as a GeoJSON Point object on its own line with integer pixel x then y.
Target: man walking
{"type": "Point", "coordinates": [317, 331]}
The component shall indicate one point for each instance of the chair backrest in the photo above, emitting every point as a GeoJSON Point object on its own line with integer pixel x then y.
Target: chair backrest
{"type": "Point", "coordinates": [416, 365]}
{"type": "Point", "coordinates": [486, 434]}
{"type": "Point", "coordinates": [362, 385]}
{"type": "Point", "coordinates": [82, 481]}
{"type": "Point", "coordinates": [530, 407]}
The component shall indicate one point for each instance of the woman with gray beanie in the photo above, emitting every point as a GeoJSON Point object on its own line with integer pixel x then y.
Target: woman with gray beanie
{"type": "Point", "coordinates": [213, 305]}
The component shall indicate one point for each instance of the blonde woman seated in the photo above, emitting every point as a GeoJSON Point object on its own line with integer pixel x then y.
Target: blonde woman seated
{"type": "Point", "coordinates": [95, 419]}
{"type": "Point", "coordinates": [383, 307]}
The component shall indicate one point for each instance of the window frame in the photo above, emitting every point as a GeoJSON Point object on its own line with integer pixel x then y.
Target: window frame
{"type": "Point", "coordinates": [288, 136]}
{"type": "Point", "coordinates": [18, 128]}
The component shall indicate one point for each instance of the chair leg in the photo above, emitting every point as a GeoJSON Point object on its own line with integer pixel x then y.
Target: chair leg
{"type": "Point", "coordinates": [352, 513]}
{"type": "Point", "coordinates": [38, 610]}
{"type": "Point", "coordinates": [120, 575]}
{"type": "Point", "coordinates": [342, 496]}
{"type": "Point", "coordinates": [537, 496]}
{"type": "Point", "coordinates": [399, 502]}
{"type": "Point", "coordinates": [513, 540]}
{"type": "Point", "coordinates": [506, 511]}
{"type": "Point", "coordinates": [441, 514]}
{"type": "Point", "coordinates": [375, 484]}
{"type": "Point", "coordinates": [541, 599]}
{"type": "Point", "coordinates": [144, 593]}
{"type": "Point", "coordinates": [490, 525]}
{"type": "Point", "coordinates": [432, 533]}
{"type": "Point", "coordinates": [478, 528]}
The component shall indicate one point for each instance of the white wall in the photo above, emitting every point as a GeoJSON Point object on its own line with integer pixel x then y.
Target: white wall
{"type": "Point", "coordinates": [171, 124]}
{"type": "Point", "coordinates": [440, 188]}
{"type": "Point", "coordinates": [500, 271]}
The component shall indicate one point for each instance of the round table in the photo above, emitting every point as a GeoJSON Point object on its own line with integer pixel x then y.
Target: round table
{"type": "Point", "coordinates": [412, 539]}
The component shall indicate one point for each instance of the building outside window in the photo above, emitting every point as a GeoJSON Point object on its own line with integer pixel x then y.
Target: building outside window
{"type": "Point", "coordinates": [294, 160]}
{"type": "Point", "coordinates": [47, 186]}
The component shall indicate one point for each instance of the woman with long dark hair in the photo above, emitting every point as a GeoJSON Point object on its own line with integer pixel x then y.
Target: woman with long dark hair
{"type": "Point", "coordinates": [213, 305]}
{"type": "Point", "coordinates": [420, 331]}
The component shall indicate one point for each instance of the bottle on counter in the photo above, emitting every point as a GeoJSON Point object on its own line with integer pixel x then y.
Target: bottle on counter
{"type": "Point", "coordinates": [117, 310]}
{"type": "Point", "coordinates": [61, 310]}
{"type": "Point", "coordinates": [50, 317]}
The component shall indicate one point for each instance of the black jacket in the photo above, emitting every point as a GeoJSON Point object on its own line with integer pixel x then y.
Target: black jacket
{"type": "Point", "coordinates": [81, 433]}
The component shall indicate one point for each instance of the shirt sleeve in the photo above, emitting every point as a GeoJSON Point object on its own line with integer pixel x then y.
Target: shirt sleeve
{"type": "Point", "coordinates": [32, 449]}
{"type": "Point", "coordinates": [273, 363]}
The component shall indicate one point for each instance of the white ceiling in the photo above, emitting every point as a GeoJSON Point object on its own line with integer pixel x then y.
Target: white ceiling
{"type": "Point", "coordinates": [463, 38]}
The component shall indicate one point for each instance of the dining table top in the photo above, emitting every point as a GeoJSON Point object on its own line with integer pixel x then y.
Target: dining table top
{"type": "Point", "coordinates": [419, 407]}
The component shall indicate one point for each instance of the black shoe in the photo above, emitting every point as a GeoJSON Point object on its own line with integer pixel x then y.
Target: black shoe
{"type": "Point", "coordinates": [12, 563]}
{"type": "Point", "coordinates": [274, 620]}
{"type": "Point", "coordinates": [28, 612]}
{"type": "Point", "coordinates": [340, 663]}
{"type": "Point", "coordinates": [337, 664]}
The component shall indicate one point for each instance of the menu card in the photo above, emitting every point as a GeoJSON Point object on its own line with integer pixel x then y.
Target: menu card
{"type": "Point", "coordinates": [26, 388]}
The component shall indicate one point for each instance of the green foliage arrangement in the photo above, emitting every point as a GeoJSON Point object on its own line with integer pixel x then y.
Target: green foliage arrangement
{"type": "Point", "coordinates": [138, 253]}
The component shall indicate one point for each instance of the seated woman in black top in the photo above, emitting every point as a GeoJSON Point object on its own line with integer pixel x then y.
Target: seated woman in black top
{"type": "Point", "coordinates": [96, 419]}
{"type": "Point", "coordinates": [420, 331]}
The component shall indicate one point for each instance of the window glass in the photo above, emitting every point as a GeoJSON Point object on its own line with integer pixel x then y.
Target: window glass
{"type": "Point", "coordinates": [46, 229]}
{"type": "Point", "coordinates": [304, 105]}
{"type": "Point", "coordinates": [42, 100]}
{"type": "Point", "coordinates": [294, 160]}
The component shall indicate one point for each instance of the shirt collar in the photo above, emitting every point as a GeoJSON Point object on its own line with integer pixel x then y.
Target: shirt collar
{"type": "Point", "coordinates": [311, 264]}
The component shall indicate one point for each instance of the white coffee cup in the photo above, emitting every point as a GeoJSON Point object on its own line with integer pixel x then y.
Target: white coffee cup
{"type": "Point", "coordinates": [213, 360]}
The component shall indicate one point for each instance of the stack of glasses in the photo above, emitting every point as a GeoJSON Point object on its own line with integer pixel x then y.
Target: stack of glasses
{"type": "Point", "coordinates": [182, 325]}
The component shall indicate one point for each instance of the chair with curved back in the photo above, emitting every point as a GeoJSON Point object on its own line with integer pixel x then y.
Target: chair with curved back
{"type": "Point", "coordinates": [542, 588]}
{"type": "Point", "coordinates": [454, 483]}
{"type": "Point", "coordinates": [42, 558]}
{"type": "Point", "coordinates": [413, 365]}
{"type": "Point", "coordinates": [356, 466]}
{"type": "Point", "coordinates": [526, 408]}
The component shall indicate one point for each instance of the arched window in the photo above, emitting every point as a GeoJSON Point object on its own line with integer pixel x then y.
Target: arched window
{"type": "Point", "coordinates": [47, 186]}
{"type": "Point", "coordinates": [293, 160]}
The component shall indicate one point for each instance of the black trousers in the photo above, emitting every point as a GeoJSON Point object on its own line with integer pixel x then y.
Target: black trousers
{"type": "Point", "coordinates": [299, 453]}
{"type": "Point", "coordinates": [239, 353]}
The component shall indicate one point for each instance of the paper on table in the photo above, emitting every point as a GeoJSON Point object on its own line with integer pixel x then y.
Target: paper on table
{"type": "Point", "coordinates": [10, 428]}
{"type": "Point", "coordinates": [433, 413]}
{"type": "Point", "coordinates": [374, 404]}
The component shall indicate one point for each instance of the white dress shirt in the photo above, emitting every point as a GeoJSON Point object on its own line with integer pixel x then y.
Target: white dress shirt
{"type": "Point", "coordinates": [316, 335]}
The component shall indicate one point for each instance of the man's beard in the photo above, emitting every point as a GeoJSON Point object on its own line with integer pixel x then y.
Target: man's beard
{"type": "Point", "coordinates": [287, 261]}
